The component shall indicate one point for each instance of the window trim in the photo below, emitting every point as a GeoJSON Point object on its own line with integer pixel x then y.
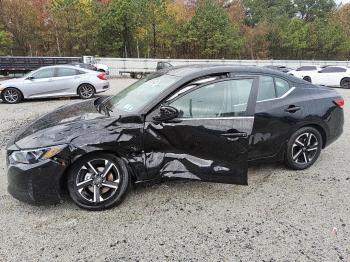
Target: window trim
{"type": "Point", "coordinates": [281, 97]}
{"type": "Point", "coordinates": [214, 118]}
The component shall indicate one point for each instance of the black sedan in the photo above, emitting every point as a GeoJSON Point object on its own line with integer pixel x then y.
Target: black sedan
{"type": "Point", "coordinates": [202, 123]}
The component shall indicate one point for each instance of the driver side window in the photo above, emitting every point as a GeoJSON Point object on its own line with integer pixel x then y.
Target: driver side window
{"type": "Point", "coordinates": [227, 98]}
{"type": "Point", "coordinates": [44, 73]}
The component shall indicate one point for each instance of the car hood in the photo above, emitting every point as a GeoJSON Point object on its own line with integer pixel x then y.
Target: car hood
{"type": "Point", "coordinates": [59, 126]}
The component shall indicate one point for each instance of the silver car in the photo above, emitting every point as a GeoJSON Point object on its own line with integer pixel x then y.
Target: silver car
{"type": "Point", "coordinates": [54, 81]}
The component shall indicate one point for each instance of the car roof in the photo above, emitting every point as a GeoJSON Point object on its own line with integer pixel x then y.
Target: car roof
{"type": "Point", "coordinates": [202, 70]}
{"type": "Point", "coordinates": [60, 66]}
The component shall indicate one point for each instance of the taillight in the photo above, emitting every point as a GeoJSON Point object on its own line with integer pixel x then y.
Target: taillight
{"type": "Point", "coordinates": [102, 76]}
{"type": "Point", "coordinates": [339, 102]}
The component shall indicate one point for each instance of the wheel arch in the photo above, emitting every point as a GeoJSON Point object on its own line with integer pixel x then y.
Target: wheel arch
{"type": "Point", "coordinates": [320, 129]}
{"type": "Point", "coordinates": [64, 178]}
{"type": "Point", "coordinates": [344, 78]}
{"type": "Point", "coordinates": [85, 83]}
{"type": "Point", "coordinates": [19, 90]}
{"type": "Point", "coordinates": [307, 78]}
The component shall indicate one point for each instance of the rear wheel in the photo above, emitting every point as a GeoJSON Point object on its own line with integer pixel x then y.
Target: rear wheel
{"type": "Point", "coordinates": [11, 95]}
{"type": "Point", "coordinates": [345, 83]}
{"type": "Point", "coordinates": [86, 91]}
{"type": "Point", "coordinates": [307, 78]}
{"type": "Point", "coordinates": [98, 181]}
{"type": "Point", "coordinates": [303, 148]}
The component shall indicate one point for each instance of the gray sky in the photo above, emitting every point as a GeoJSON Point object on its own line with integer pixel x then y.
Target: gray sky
{"type": "Point", "coordinates": [342, 1]}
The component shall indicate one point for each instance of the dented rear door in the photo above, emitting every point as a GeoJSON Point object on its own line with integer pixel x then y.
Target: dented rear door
{"type": "Point", "coordinates": [209, 140]}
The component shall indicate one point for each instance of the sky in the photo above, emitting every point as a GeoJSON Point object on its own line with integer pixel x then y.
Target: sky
{"type": "Point", "coordinates": [342, 1]}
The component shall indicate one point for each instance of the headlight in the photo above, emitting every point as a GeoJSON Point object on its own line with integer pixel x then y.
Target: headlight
{"type": "Point", "coordinates": [35, 155]}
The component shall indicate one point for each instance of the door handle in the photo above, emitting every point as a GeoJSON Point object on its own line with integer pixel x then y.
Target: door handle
{"type": "Point", "coordinates": [293, 109]}
{"type": "Point", "coordinates": [235, 135]}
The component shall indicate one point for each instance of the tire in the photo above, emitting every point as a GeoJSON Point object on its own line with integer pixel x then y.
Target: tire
{"type": "Point", "coordinates": [98, 181]}
{"type": "Point", "coordinates": [11, 95]}
{"type": "Point", "coordinates": [307, 78]}
{"type": "Point", "coordinates": [86, 91]}
{"type": "Point", "coordinates": [303, 148]}
{"type": "Point", "coordinates": [345, 83]}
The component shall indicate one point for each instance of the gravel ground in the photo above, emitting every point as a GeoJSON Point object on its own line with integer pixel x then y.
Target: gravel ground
{"type": "Point", "coordinates": [282, 215]}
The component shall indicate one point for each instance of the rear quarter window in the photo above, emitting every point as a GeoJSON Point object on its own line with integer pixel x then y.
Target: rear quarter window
{"type": "Point", "coordinates": [282, 86]}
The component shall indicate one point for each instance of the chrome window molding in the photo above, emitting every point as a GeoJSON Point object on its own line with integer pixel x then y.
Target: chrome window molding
{"type": "Point", "coordinates": [281, 97]}
{"type": "Point", "coordinates": [216, 118]}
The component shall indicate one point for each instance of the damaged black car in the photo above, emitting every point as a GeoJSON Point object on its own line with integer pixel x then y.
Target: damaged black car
{"type": "Point", "coordinates": [204, 123]}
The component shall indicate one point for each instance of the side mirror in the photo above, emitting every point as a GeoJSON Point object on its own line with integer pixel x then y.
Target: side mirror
{"type": "Point", "coordinates": [166, 113]}
{"type": "Point", "coordinates": [30, 77]}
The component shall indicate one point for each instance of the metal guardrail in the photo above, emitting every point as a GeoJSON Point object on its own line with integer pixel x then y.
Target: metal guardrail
{"type": "Point", "coordinates": [116, 65]}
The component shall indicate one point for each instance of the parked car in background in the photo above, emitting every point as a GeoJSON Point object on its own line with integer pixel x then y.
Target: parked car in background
{"type": "Point", "coordinates": [138, 73]}
{"type": "Point", "coordinates": [283, 69]}
{"type": "Point", "coordinates": [86, 66]}
{"type": "Point", "coordinates": [204, 123]}
{"type": "Point", "coordinates": [54, 81]}
{"type": "Point", "coordinates": [334, 76]}
{"type": "Point", "coordinates": [303, 71]}
{"type": "Point", "coordinates": [91, 60]}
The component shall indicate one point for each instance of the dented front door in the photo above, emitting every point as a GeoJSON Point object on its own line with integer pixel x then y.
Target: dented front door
{"type": "Point", "coordinates": [209, 140]}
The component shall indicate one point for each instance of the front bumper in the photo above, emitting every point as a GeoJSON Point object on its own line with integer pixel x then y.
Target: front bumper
{"type": "Point", "coordinates": [36, 183]}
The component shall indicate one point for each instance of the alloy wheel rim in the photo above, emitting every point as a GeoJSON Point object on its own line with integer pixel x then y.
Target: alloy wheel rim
{"type": "Point", "coordinates": [98, 180]}
{"type": "Point", "coordinates": [11, 96]}
{"type": "Point", "coordinates": [305, 148]}
{"type": "Point", "coordinates": [86, 91]}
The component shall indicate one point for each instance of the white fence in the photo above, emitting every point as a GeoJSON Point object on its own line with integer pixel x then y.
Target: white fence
{"type": "Point", "coordinates": [118, 65]}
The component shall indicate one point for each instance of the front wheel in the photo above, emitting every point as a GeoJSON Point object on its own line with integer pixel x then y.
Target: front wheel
{"type": "Point", "coordinates": [11, 95]}
{"type": "Point", "coordinates": [98, 181]}
{"type": "Point", "coordinates": [303, 148]}
{"type": "Point", "coordinates": [86, 91]}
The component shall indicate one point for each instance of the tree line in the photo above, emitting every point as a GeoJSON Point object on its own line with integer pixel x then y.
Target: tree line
{"type": "Point", "coordinates": [212, 29]}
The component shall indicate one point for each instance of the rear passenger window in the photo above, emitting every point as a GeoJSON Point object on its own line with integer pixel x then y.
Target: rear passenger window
{"type": "Point", "coordinates": [266, 88]}
{"type": "Point", "coordinates": [66, 72]}
{"type": "Point", "coordinates": [333, 70]}
{"type": "Point", "coordinates": [307, 68]}
{"type": "Point", "coordinates": [270, 88]}
{"type": "Point", "coordinates": [282, 87]}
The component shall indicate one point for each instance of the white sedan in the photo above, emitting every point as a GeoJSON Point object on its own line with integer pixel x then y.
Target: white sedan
{"type": "Point", "coordinates": [304, 71]}
{"type": "Point", "coordinates": [54, 81]}
{"type": "Point", "coordinates": [333, 76]}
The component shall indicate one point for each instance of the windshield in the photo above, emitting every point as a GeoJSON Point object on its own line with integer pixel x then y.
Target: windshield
{"type": "Point", "coordinates": [136, 96]}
